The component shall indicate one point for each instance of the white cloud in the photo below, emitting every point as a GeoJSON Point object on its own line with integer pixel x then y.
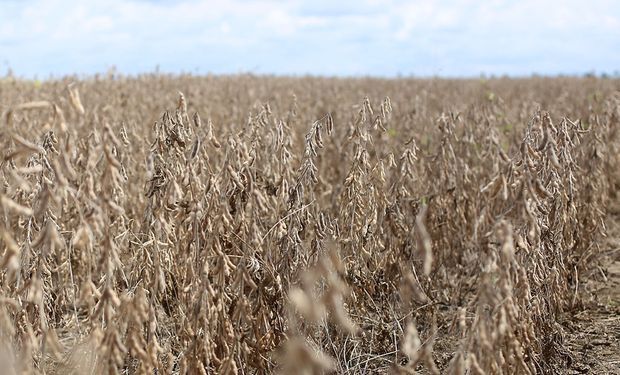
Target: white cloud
{"type": "Point", "coordinates": [323, 37]}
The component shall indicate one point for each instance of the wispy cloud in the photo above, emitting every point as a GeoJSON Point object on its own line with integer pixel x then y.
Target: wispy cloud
{"type": "Point", "coordinates": [458, 37]}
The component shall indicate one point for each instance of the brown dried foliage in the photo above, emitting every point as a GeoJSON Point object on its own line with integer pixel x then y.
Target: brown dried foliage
{"type": "Point", "coordinates": [298, 225]}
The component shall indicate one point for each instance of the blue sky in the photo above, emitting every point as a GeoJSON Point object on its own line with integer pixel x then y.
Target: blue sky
{"type": "Point", "coordinates": [365, 37]}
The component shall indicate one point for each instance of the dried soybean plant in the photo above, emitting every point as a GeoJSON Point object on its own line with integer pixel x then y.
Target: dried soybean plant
{"type": "Point", "coordinates": [302, 225]}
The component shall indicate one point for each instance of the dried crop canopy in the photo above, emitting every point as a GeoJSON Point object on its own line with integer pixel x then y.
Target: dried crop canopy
{"type": "Point", "coordinates": [354, 226]}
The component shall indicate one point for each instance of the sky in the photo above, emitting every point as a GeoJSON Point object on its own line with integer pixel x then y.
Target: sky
{"type": "Point", "coordinates": [456, 38]}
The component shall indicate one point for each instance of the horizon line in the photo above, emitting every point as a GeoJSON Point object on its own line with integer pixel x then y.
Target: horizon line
{"type": "Point", "coordinates": [116, 74]}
